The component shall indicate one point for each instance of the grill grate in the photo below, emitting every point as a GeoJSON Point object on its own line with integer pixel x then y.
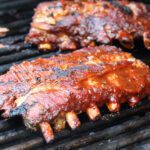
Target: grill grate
{"type": "Point", "coordinates": [118, 127]}
{"type": "Point", "coordinates": [129, 129]}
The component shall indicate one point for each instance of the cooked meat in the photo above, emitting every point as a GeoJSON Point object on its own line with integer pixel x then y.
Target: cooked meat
{"type": "Point", "coordinates": [56, 89]}
{"type": "Point", "coordinates": [23, 77]}
{"type": "Point", "coordinates": [71, 25]}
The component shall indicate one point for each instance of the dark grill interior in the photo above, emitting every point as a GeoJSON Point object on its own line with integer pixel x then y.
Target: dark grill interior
{"type": "Point", "coordinates": [129, 129]}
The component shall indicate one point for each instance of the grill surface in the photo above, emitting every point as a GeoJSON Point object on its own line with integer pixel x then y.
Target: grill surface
{"type": "Point", "coordinates": [127, 130]}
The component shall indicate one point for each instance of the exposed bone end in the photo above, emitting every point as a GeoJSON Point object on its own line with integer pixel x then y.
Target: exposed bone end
{"type": "Point", "coordinates": [133, 101]}
{"type": "Point", "coordinates": [60, 122]}
{"type": "Point", "coordinates": [3, 31]}
{"type": "Point", "coordinates": [69, 45]}
{"type": "Point", "coordinates": [72, 120]}
{"type": "Point", "coordinates": [126, 40]}
{"type": "Point", "coordinates": [113, 104]}
{"type": "Point", "coordinates": [66, 42]}
{"type": "Point", "coordinates": [42, 18]}
{"type": "Point", "coordinates": [40, 26]}
{"type": "Point", "coordinates": [92, 44]}
{"type": "Point", "coordinates": [45, 46]}
{"type": "Point", "coordinates": [146, 37]}
{"type": "Point", "coordinates": [47, 131]}
{"type": "Point", "coordinates": [113, 107]}
{"type": "Point", "coordinates": [50, 20]}
{"type": "Point", "coordinates": [3, 46]}
{"type": "Point", "coordinates": [93, 112]}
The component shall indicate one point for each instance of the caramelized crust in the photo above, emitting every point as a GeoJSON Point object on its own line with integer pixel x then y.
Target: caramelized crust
{"type": "Point", "coordinates": [20, 79]}
{"type": "Point", "coordinates": [23, 77]}
{"type": "Point", "coordinates": [71, 25]}
{"type": "Point", "coordinates": [56, 89]}
{"type": "Point", "coordinates": [101, 68]}
{"type": "Point", "coordinates": [95, 84]}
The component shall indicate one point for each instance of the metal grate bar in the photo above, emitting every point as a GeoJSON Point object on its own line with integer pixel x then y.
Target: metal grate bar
{"type": "Point", "coordinates": [129, 125]}
{"type": "Point", "coordinates": [8, 17]}
{"type": "Point", "coordinates": [144, 145]}
{"type": "Point", "coordinates": [107, 120]}
{"type": "Point", "coordinates": [18, 24]}
{"type": "Point", "coordinates": [5, 67]}
{"type": "Point", "coordinates": [18, 56]}
{"type": "Point", "coordinates": [12, 39]}
{"type": "Point", "coordinates": [18, 27]}
{"type": "Point", "coordinates": [12, 135]}
{"type": "Point", "coordinates": [17, 4]}
{"type": "Point", "coordinates": [27, 145]}
{"type": "Point", "coordinates": [14, 48]}
{"type": "Point", "coordinates": [9, 124]}
{"type": "Point", "coordinates": [5, 1]}
{"type": "Point", "coordinates": [121, 141]}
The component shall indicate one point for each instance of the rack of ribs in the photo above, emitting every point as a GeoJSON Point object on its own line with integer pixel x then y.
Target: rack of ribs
{"type": "Point", "coordinates": [69, 25]}
{"type": "Point", "coordinates": [53, 91]}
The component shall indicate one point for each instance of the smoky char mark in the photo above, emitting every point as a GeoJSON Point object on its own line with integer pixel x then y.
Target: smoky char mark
{"type": "Point", "coordinates": [64, 73]}
{"type": "Point", "coordinates": [58, 6]}
{"type": "Point", "coordinates": [123, 8]}
{"type": "Point", "coordinates": [18, 111]}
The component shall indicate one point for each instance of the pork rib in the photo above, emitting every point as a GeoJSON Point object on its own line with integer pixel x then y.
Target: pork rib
{"type": "Point", "coordinates": [71, 25]}
{"type": "Point", "coordinates": [20, 79]}
{"type": "Point", "coordinates": [56, 89]}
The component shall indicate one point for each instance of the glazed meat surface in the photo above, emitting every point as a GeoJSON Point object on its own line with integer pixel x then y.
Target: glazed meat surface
{"type": "Point", "coordinates": [20, 79]}
{"type": "Point", "coordinates": [71, 25]}
{"type": "Point", "coordinates": [56, 89]}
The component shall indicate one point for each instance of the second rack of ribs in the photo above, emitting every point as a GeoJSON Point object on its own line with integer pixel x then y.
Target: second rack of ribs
{"type": "Point", "coordinates": [71, 25]}
{"type": "Point", "coordinates": [56, 89]}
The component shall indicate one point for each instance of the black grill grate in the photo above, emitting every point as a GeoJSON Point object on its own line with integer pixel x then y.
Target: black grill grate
{"type": "Point", "coordinates": [122, 129]}
{"type": "Point", "coordinates": [129, 129]}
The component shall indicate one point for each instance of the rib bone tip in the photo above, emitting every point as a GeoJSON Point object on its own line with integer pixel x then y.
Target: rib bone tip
{"type": "Point", "coordinates": [113, 107]}
{"type": "Point", "coordinates": [133, 101]}
{"type": "Point", "coordinates": [93, 112]}
{"type": "Point", "coordinates": [47, 131]}
{"type": "Point", "coordinates": [72, 120]}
